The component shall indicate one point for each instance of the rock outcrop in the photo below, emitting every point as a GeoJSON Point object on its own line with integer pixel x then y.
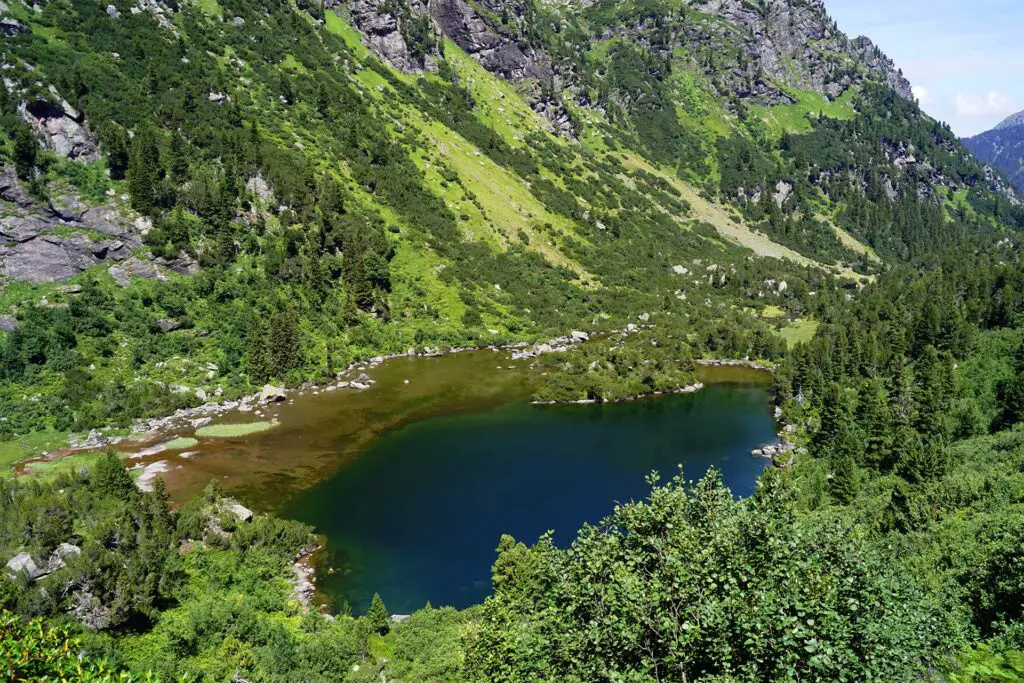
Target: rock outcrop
{"type": "Point", "coordinates": [62, 128]}
{"type": "Point", "coordinates": [54, 241]}
{"type": "Point", "coordinates": [782, 43]}
{"type": "Point", "coordinates": [493, 46]}
{"type": "Point", "coordinates": [25, 563]}
{"type": "Point", "coordinates": [400, 33]}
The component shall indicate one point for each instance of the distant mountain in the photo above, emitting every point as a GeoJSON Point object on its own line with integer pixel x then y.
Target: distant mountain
{"type": "Point", "coordinates": [1003, 148]}
{"type": "Point", "coordinates": [1012, 121]}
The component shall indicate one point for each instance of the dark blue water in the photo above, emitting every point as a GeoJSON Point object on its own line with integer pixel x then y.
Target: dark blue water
{"type": "Point", "coordinates": [418, 516]}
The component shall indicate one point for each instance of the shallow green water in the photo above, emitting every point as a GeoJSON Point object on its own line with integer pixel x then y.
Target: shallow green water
{"type": "Point", "coordinates": [417, 515]}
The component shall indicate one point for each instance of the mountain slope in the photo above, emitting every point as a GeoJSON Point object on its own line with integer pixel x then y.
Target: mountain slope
{"type": "Point", "coordinates": [302, 186]}
{"type": "Point", "coordinates": [1002, 148]}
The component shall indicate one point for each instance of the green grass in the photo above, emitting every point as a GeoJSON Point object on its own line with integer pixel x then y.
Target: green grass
{"type": "Point", "coordinates": [210, 8]}
{"type": "Point", "coordinates": [49, 469]}
{"type": "Point", "coordinates": [30, 445]}
{"type": "Point", "coordinates": [234, 430]}
{"type": "Point", "coordinates": [181, 443]}
{"type": "Point", "coordinates": [352, 37]}
{"type": "Point", "coordinates": [799, 331]}
{"type": "Point", "coordinates": [792, 118]}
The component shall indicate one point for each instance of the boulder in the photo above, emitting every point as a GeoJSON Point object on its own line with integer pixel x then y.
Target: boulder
{"type": "Point", "coordinates": [243, 513]}
{"type": "Point", "coordinates": [89, 611]}
{"type": "Point", "coordinates": [578, 336]}
{"type": "Point", "coordinates": [68, 208]}
{"type": "Point", "coordinates": [12, 27]}
{"type": "Point", "coordinates": [60, 554]}
{"type": "Point", "coordinates": [8, 323]}
{"type": "Point", "coordinates": [168, 324]}
{"type": "Point", "coordinates": [272, 394]}
{"type": "Point", "coordinates": [23, 562]}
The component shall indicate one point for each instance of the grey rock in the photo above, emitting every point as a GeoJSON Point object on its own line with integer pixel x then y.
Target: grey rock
{"type": "Point", "coordinates": [11, 189]}
{"type": "Point", "coordinates": [782, 192]}
{"type": "Point", "coordinates": [272, 394]}
{"type": "Point", "coordinates": [59, 556]}
{"type": "Point", "coordinates": [20, 228]}
{"type": "Point", "coordinates": [12, 27]}
{"type": "Point", "coordinates": [30, 251]}
{"type": "Point", "coordinates": [61, 133]}
{"type": "Point", "coordinates": [89, 611]}
{"type": "Point", "coordinates": [38, 260]}
{"type": "Point", "coordinates": [168, 324]}
{"type": "Point", "coordinates": [112, 12]}
{"type": "Point", "coordinates": [8, 323]}
{"type": "Point", "coordinates": [243, 513]}
{"type": "Point", "coordinates": [383, 27]}
{"type": "Point", "coordinates": [183, 265]}
{"type": "Point", "coordinates": [135, 267]}
{"type": "Point", "coordinates": [23, 562]}
{"type": "Point", "coordinates": [68, 208]}
{"type": "Point", "coordinates": [496, 49]}
{"type": "Point", "coordinates": [259, 188]}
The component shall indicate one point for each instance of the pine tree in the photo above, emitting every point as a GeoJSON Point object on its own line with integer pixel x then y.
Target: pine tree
{"type": "Point", "coordinates": [380, 620]}
{"type": "Point", "coordinates": [179, 159]}
{"type": "Point", "coordinates": [109, 477]}
{"type": "Point", "coordinates": [144, 171]}
{"type": "Point", "coordinates": [115, 143]}
{"type": "Point", "coordinates": [284, 341]}
{"type": "Point", "coordinates": [26, 152]}
{"type": "Point", "coordinates": [845, 483]}
{"type": "Point", "coordinates": [258, 363]}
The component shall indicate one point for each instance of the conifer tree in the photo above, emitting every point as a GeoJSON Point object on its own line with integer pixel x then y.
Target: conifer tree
{"type": "Point", "coordinates": [115, 144]}
{"type": "Point", "coordinates": [284, 341]}
{"type": "Point", "coordinates": [378, 616]}
{"type": "Point", "coordinates": [144, 171]}
{"type": "Point", "coordinates": [844, 484]}
{"type": "Point", "coordinates": [26, 152]}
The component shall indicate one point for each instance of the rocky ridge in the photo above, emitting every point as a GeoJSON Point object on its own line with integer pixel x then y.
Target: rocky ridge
{"type": "Point", "coordinates": [56, 239]}
{"type": "Point", "coordinates": [781, 44]}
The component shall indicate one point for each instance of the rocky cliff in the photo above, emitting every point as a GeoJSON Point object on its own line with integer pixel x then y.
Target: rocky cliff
{"type": "Point", "coordinates": [57, 238]}
{"type": "Point", "coordinates": [754, 52]}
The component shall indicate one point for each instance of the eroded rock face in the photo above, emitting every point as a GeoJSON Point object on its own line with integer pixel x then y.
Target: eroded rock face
{"type": "Point", "coordinates": [494, 48]}
{"type": "Point", "coordinates": [36, 244]}
{"type": "Point", "coordinates": [399, 33]}
{"type": "Point", "coordinates": [787, 43]}
{"type": "Point", "coordinates": [62, 128]}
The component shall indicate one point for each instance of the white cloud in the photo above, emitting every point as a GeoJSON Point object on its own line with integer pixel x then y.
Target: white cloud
{"type": "Point", "coordinates": [922, 95]}
{"type": "Point", "coordinates": [978, 106]}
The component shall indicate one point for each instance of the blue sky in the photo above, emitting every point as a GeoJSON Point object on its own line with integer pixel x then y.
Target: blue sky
{"type": "Point", "coordinates": [965, 58]}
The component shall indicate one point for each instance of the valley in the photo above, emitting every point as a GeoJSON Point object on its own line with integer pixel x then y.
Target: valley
{"type": "Point", "coordinates": [391, 289]}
